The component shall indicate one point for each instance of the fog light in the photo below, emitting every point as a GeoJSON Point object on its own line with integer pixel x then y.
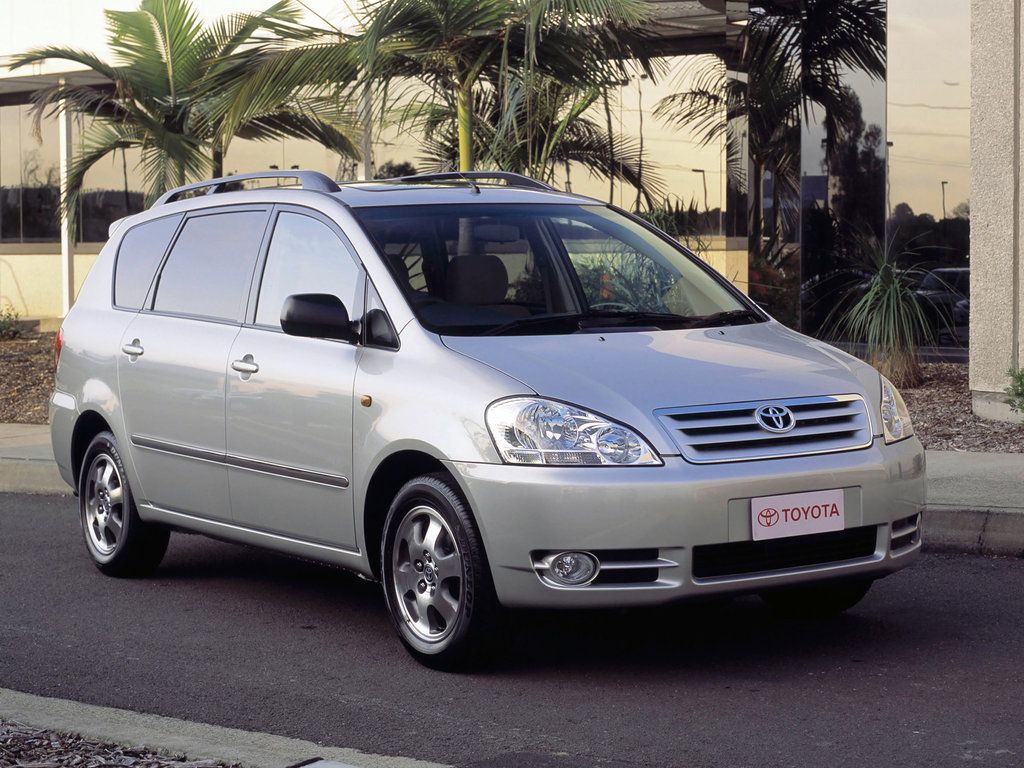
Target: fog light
{"type": "Point", "coordinates": [573, 569]}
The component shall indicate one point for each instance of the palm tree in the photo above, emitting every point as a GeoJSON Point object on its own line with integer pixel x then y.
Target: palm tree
{"type": "Point", "coordinates": [457, 48]}
{"type": "Point", "coordinates": [544, 129]}
{"type": "Point", "coordinates": [172, 84]}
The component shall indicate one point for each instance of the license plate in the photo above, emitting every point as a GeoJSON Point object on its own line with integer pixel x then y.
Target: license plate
{"type": "Point", "coordinates": [796, 514]}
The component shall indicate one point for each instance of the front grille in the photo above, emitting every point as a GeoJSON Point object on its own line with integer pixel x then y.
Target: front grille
{"type": "Point", "coordinates": [708, 434]}
{"type": "Point", "coordinates": [712, 561]}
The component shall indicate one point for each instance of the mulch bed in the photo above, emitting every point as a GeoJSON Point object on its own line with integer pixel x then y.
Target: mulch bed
{"type": "Point", "coordinates": [26, 378]}
{"type": "Point", "coordinates": [940, 407]}
{"type": "Point", "coordinates": [941, 412]}
{"type": "Point", "coordinates": [25, 747]}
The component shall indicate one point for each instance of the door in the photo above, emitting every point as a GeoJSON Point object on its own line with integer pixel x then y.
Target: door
{"type": "Point", "coordinates": [289, 411]}
{"type": "Point", "coordinates": [172, 370]}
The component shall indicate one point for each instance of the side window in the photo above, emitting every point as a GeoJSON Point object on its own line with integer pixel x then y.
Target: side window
{"type": "Point", "coordinates": [210, 266]}
{"type": "Point", "coordinates": [305, 256]}
{"type": "Point", "coordinates": [138, 256]}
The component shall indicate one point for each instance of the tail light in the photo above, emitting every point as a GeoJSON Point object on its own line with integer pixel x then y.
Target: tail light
{"type": "Point", "coordinates": [58, 344]}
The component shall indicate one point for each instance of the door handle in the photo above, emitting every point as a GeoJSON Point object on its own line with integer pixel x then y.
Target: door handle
{"type": "Point", "coordinates": [245, 365]}
{"type": "Point", "coordinates": [132, 350]}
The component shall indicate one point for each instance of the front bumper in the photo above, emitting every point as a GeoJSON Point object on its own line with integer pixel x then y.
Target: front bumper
{"type": "Point", "coordinates": [659, 515]}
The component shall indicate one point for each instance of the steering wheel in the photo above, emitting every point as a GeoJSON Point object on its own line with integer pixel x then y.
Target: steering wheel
{"type": "Point", "coordinates": [604, 305]}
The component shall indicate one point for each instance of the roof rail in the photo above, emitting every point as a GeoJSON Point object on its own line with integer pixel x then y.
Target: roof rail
{"type": "Point", "coordinates": [314, 180]}
{"type": "Point", "coordinates": [511, 179]}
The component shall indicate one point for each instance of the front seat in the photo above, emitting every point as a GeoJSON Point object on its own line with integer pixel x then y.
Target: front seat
{"type": "Point", "coordinates": [480, 280]}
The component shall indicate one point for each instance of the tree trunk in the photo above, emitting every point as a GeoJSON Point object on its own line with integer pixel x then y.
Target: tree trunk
{"type": "Point", "coordinates": [218, 161]}
{"type": "Point", "coordinates": [611, 147]}
{"type": "Point", "coordinates": [464, 118]}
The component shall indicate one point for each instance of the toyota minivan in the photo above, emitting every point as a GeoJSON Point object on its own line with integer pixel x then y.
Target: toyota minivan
{"type": "Point", "coordinates": [482, 392]}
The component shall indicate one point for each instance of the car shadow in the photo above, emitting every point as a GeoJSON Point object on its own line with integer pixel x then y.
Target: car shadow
{"type": "Point", "coordinates": [730, 634]}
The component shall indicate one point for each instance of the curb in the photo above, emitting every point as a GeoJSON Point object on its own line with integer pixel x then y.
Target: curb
{"type": "Point", "coordinates": [196, 740]}
{"type": "Point", "coordinates": [31, 476]}
{"type": "Point", "coordinates": [982, 531]}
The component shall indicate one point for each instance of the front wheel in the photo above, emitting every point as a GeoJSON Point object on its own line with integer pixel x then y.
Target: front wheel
{"type": "Point", "coordinates": [816, 600]}
{"type": "Point", "coordinates": [119, 541]}
{"type": "Point", "coordinates": [437, 582]}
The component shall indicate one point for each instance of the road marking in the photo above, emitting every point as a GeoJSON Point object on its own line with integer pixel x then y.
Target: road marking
{"type": "Point", "coordinates": [196, 740]}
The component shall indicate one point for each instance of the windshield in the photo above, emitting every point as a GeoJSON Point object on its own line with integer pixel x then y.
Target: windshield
{"type": "Point", "coordinates": [531, 269]}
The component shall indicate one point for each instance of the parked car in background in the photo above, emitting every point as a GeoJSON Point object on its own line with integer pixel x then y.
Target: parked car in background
{"type": "Point", "coordinates": [482, 392]}
{"type": "Point", "coordinates": [939, 293]}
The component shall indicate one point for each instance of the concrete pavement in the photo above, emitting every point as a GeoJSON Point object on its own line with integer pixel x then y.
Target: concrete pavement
{"type": "Point", "coordinates": [26, 460]}
{"type": "Point", "coordinates": [975, 500]}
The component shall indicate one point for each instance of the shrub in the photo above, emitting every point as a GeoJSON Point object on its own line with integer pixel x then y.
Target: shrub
{"type": "Point", "coordinates": [10, 323]}
{"type": "Point", "coordinates": [1015, 392]}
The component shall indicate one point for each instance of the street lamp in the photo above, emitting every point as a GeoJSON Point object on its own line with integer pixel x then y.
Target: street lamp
{"type": "Point", "coordinates": [704, 178]}
{"type": "Point", "coordinates": [944, 200]}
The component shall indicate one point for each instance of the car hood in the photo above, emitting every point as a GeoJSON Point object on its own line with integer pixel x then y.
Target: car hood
{"type": "Point", "coordinates": [627, 375]}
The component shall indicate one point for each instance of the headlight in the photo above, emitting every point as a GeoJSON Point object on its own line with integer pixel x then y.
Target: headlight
{"type": "Point", "coordinates": [530, 430]}
{"type": "Point", "coordinates": [895, 416]}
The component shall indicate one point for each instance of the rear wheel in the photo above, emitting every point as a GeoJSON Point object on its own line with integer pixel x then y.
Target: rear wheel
{"type": "Point", "coordinates": [817, 600]}
{"type": "Point", "coordinates": [437, 582]}
{"type": "Point", "coordinates": [118, 540]}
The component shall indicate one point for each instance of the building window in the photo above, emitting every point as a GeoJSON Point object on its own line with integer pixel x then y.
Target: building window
{"type": "Point", "coordinates": [29, 178]}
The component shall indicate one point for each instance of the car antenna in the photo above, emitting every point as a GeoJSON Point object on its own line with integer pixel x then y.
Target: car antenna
{"type": "Point", "coordinates": [469, 181]}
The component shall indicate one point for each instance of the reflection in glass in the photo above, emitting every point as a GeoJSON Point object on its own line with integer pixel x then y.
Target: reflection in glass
{"type": "Point", "coordinates": [29, 178]}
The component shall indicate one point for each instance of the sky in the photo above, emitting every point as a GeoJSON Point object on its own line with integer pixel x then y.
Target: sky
{"type": "Point", "coordinates": [929, 64]}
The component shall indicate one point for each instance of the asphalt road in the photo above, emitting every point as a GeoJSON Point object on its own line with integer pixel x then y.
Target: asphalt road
{"type": "Point", "coordinates": [928, 671]}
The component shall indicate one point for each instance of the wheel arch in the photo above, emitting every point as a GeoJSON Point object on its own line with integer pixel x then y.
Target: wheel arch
{"type": "Point", "coordinates": [89, 424]}
{"type": "Point", "coordinates": [389, 476]}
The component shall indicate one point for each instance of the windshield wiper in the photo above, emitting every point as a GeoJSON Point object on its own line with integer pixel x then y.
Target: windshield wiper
{"type": "Point", "coordinates": [533, 320]}
{"type": "Point", "coordinates": [729, 317]}
{"type": "Point", "coordinates": [601, 318]}
{"type": "Point", "coordinates": [611, 318]}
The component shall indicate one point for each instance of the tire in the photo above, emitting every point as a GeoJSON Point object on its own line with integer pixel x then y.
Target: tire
{"type": "Point", "coordinates": [437, 582]}
{"type": "Point", "coordinates": [816, 600]}
{"type": "Point", "coordinates": [119, 542]}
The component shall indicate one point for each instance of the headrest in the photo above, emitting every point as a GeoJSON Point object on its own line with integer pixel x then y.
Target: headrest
{"type": "Point", "coordinates": [477, 279]}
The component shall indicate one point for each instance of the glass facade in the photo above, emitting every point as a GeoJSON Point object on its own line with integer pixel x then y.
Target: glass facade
{"type": "Point", "coordinates": [928, 206]}
{"type": "Point", "coordinates": [787, 141]}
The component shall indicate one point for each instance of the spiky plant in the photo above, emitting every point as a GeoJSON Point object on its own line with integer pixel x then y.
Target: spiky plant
{"type": "Point", "coordinates": [878, 307]}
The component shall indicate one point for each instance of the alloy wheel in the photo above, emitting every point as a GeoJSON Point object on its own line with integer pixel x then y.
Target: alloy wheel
{"type": "Point", "coordinates": [427, 574]}
{"type": "Point", "coordinates": [104, 505]}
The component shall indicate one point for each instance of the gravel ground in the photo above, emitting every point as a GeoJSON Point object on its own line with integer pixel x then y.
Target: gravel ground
{"type": "Point", "coordinates": [26, 378]}
{"type": "Point", "coordinates": [941, 411]}
{"type": "Point", "coordinates": [26, 747]}
{"type": "Point", "coordinates": [941, 407]}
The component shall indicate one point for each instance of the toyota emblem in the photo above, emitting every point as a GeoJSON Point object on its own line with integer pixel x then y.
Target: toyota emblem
{"type": "Point", "coordinates": [768, 517]}
{"type": "Point", "coordinates": [775, 418]}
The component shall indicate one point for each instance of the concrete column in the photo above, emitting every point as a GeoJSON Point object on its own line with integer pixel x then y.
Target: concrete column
{"type": "Point", "coordinates": [997, 189]}
{"type": "Point", "coordinates": [67, 236]}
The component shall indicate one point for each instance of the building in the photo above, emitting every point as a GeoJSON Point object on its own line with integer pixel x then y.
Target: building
{"type": "Point", "coordinates": [873, 145]}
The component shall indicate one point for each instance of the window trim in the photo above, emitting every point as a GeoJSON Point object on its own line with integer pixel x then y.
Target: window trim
{"type": "Point", "coordinates": [252, 297]}
{"type": "Point", "coordinates": [367, 287]}
{"type": "Point", "coordinates": [150, 307]}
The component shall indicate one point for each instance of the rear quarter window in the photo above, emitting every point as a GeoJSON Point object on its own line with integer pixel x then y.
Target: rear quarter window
{"type": "Point", "coordinates": [138, 257]}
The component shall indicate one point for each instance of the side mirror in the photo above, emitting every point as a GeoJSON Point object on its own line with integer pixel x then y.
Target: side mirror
{"type": "Point", "coordinates": [318, 316]}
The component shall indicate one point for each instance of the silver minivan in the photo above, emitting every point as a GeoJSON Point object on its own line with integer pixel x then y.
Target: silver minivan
{"type": "Point", "coordinates": [484, 393]}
